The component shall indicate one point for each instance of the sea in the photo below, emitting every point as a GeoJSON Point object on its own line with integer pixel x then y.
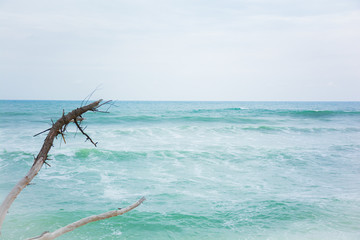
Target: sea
{"type": "Point", "coordinates": [208, 170]}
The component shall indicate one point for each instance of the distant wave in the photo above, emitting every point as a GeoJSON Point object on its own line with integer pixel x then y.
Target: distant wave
{"type": "Point", "coordinates": [271, 129]}
{"type": "Point", "coordinates": [318, 113]}
{"type": "Point", "coordinates": [216, 110]}
{"type": "Point", "coordinates": [225, 115]}
{"type": "Point", "coordinates": [278, 112]}
{"type": "Point", "coordinates": [179, 118]}
{"type": "Point", "coordinates": [229, 130]}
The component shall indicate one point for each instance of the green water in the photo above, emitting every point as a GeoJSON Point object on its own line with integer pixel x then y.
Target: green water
{"type": "Point", "coordinates": [209, 170]}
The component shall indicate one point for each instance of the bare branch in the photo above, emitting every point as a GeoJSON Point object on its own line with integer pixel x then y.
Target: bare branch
{"type": "Point", "coordinates": [59, 127]}
{"type": "Point", "coordinates": [105, 103]}
{"type": "Point", "coordinates": [82, 131]}
{"type": "Point", "coordinates": [90, 95]}
{"type": "Point", "coordinates": [19, 187]}
{"type": "Point", "coordinates": [110, 105]}
{"type": "Point", "coordinates": [42, 132]}
{"type": "Point", "coordinates": [38, 237]}
{"type": "Point", "coordinates": [56, 128]}
{"type": "Point", "coordinates": [82, 222]}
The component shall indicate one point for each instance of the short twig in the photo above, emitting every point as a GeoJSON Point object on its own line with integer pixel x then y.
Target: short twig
{"type": "Point", "coordinates": [103, 103]}
{"type": "Point", "coordinates": [42, 132]}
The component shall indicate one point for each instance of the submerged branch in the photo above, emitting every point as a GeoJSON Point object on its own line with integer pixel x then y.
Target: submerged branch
{"type": "Point", "coordinates": [84, 221]}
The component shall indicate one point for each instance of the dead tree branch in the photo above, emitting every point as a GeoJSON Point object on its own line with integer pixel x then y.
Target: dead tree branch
{"type": "Point", "coordinates": [42, 132]}
{"type": "Point", "coordinates": [57, 128]}
{"type": "Point", "coordinates": [48, 236]}
{"type": "Point", "coordinates": [82, 131]}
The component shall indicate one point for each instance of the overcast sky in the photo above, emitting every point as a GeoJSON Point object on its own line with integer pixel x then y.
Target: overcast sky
{"type": "Point", "coordinates": [180, 49]}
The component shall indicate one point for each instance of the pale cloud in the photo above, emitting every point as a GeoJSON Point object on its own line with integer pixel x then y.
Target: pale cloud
{"type": "Point", "coordinates": [181, 50]}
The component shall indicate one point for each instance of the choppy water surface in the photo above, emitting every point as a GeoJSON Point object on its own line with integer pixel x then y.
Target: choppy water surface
{"type": "Point", "coordinates": [209, 170]}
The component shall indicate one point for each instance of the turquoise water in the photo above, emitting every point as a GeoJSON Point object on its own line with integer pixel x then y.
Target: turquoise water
{"type": "Point", "coordinates": [209, 170]}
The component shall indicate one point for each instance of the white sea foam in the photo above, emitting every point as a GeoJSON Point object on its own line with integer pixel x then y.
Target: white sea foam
{"type": "Point", "coordinates": [258, 173]}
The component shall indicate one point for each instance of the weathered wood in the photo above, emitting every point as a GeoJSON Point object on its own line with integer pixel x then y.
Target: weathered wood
{"type": "Point", "coordinates": [43, 154]}
{"type": "Point", "coordinates": [82, 222]}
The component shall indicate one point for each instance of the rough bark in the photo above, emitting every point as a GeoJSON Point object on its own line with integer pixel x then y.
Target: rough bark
{"type": "Point", "coordinates": [58, 128]}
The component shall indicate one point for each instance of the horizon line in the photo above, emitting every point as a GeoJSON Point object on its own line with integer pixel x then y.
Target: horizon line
{"type": "Point", "coordinates": [66, 100]}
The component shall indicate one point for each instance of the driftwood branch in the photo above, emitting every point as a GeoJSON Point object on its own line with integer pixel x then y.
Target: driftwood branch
{"type": "Point", "coordinates": [57, 128]}
{"type": "Point", "coordinates": [42, 132]}
{"type": "Point", "coordinates": [82, 131]}
{"type": "Point", "coordinates": [52, 235]}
